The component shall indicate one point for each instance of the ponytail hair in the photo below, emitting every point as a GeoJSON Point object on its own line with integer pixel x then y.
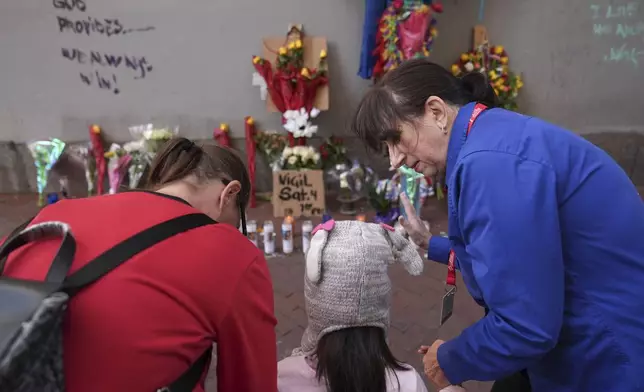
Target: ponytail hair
{"type": "Point", "coordinates": [180, 158]}
{"type": "Point", "coordinates": [477, 88]}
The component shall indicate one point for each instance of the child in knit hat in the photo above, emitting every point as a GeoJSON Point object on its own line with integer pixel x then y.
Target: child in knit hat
{"type": "Point", "coordinates": [348, 294]}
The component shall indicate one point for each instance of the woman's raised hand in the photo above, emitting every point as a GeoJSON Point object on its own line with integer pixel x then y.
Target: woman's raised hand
{"type": "Point", "coordinates": [415, 228]}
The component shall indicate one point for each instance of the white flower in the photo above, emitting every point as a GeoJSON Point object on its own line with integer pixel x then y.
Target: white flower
{"type": "Point", "coordinates": [292, 160]}
{"type": "Point", "coordinates": [483, 70]}
{"type": "Point", "coordinates": [469, 66]}
{"type": "Point", "coordinates": [314, 112]}
{"type": "Point", "coordinates": [316, 157]}
{"type": "Point", "coordinates": [134, 146]}
{"type": "Point", "coordinates": [287, 151]}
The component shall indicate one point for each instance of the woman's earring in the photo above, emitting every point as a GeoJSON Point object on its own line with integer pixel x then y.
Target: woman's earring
{"type": "Point", "coordinates": [444, 129]}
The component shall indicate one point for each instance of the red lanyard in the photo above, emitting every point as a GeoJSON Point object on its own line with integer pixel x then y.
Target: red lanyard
{"type": "Point", "coordinates": [451, 270]}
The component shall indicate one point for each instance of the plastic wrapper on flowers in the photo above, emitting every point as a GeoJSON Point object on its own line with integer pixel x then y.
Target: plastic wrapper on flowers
{"type": "Point", "coordinates": [117, 165]}
{"type": "Point", "coordinates": [138, 161]}
{"type": "Point", "coordinates": [45, 154]}
{"type": "Point", "coordinates": [153, 137]}
{"type": "Point", "coordinates": [355, 180]}
{"type": "Point", "coordinates": [383, 197]}
{"type": "Point", "coordinates": [82, 154]}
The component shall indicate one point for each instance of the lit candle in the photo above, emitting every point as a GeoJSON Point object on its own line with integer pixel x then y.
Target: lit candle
{"type": "Point", "coordinates": [287, 235]}
{"type": "Point", "coordinates": [361, 218]}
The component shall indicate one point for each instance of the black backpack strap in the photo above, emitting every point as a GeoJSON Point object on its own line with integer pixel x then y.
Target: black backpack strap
{"type": "Point", "coordinates": [127, 249]}
{"type": "Point", "coordinates": [122, 252]}
{"type": "Point", "coordinates": [11, 235]}
{"type": "Point", "coordinates": [188, 380]}
{"type": "Point", "coordinates": [45, 230]}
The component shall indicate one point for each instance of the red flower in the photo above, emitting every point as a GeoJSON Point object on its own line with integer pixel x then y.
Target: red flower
{"type": "Point", "coordinates": [437, 7]}
{"type": "Point", "coordinates": [397, 4]}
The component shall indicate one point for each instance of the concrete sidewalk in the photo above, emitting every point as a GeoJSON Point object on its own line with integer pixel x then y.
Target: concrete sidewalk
{"type": "Point", "coordinates": [416, 300]}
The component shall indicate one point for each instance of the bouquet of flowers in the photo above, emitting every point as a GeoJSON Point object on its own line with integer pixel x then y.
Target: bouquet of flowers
{"type": "Point", "coordinates": [300, 158]}
{"type": "Point", "coordinates": [154, 137]}
{"type": "Point", "coordinates": [383, 197]}
{"type": "Point", "coordinates": [117, 165]}
{"type": "Point", "coordinates": [494, 62]}
{"type": "Point", "coordinates": [138, 161]}
{"type": "Point", "coordinates": [45, 154]}
{"type": "Point", "coordinates": [333, 152]}
{"type": "Point", "coordinates": [293, 87]}
{"type": "Point", "coordinates": [271, 144]}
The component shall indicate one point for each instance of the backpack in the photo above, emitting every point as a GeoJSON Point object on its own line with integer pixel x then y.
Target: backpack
{"type": "Point", "coordinates": [32, 312]}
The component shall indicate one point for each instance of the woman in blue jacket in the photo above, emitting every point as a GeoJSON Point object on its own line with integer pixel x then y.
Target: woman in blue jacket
{"type": "Point", "coordinates": [546, 229]}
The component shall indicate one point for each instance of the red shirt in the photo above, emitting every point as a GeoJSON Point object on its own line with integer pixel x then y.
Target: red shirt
{"type": "Point", "coordinates": [141, 326]}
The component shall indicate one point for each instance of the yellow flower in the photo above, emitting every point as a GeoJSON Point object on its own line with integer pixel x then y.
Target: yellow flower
{"type": "Point", "coordinates": [96, 129]}
{"type": "Point", "coordinates": [323, 54]}
{"type": "Point", "coordinates": [305, 72]}
{"type": "Point", "coordinates": [519, 83]}
{"type": "Point", "coordinates": [455, 69]}
{"type": "Point", "coordinates": [256, 59]}
{"type": "Point", "coordinates": [250, 121]}
{"type": "Point", "coordinates": [492, 75]}
{"type": "Point", "coordinates": [496, 91]}
{"type": "Point", "coordinates": [291, 45]}
{"type": "Point", "coordinates": [283, 51]}
{"type": "Point", "coordinates": [498, 49]}
{"type": "Point", "coordinates": [109, 154]}
{"type": "Point", "coordinates": [465, 57]}
{"type": "Point", "coordinates": [504, 60]}
{"type": "Point", "coordinates": [223, 127]}
{"type": "Point", "coordinates": [298, 44]}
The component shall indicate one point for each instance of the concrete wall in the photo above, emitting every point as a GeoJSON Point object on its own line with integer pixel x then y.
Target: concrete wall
{"type": "Point", "coordinates": [200, 52]}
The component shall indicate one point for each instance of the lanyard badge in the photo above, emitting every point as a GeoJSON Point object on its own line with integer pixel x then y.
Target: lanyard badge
{"type": "Point", "coordinates": [447, 303]}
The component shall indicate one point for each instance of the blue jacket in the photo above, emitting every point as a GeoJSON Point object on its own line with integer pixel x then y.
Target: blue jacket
{"type": "Point", "coordinates": [549, 235]}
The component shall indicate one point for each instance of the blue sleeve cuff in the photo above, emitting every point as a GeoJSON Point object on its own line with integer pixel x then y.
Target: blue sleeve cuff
{"type": "Point", "coordinates": [439, 248]}
{"type": "Point", "coordinates": [447, 363]}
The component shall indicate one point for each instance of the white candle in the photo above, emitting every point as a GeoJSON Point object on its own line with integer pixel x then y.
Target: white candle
{"type": "Point", "coordinates": [307, 227]}
{"type": "Point", "coordinates": [251, 228]}
{"type": "Point", "coordinates": [269, 238]}
{"type": "Point", "coordinates": [287, 236]}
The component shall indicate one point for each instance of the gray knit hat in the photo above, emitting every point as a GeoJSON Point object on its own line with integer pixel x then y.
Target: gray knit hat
{"type": "Point", "coordinates": [346, 282]}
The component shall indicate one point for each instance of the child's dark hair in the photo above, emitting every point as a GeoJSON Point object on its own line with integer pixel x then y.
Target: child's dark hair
{"type": "Point", "coordinates": [356, 360]}
{"type": "Point", "coordinates": [181, 157]}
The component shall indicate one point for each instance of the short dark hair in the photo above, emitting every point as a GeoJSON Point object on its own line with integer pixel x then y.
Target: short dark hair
{"type": "Point", "coordinates": [181, 157]}
{"type": "Point", "coordinates": [401, 94]}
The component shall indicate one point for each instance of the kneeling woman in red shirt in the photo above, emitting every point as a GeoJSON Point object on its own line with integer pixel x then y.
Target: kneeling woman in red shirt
{"type": "Point", "coordinates": [141, 326]}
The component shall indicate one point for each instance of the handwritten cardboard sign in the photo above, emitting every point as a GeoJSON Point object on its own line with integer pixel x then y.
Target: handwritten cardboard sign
{"type": "Point", "coordinates": [312, 48]}
{"type": "Point", "coordinates": [298, 193]}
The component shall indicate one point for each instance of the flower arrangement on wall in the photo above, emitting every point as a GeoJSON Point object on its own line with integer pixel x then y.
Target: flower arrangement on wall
{"type": "Point", "coordinates": [293, 87]}
{"type": "Point", "coordinates": [407, 30]}
{"type": "Point", "coordinates": [494, 62]}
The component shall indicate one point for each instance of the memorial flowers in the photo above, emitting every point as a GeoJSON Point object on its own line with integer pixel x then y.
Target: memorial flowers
{"type": "Point", "coordinates": [333, 151]}
{"type": "Point", "coordinates": [271, 145]}
{"type": "Point", "coordinates": [300, 158]}
{"type": "Point", "coordinates": [493, 61]}
{"type": "Point", "coordinates": [293, 87]}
